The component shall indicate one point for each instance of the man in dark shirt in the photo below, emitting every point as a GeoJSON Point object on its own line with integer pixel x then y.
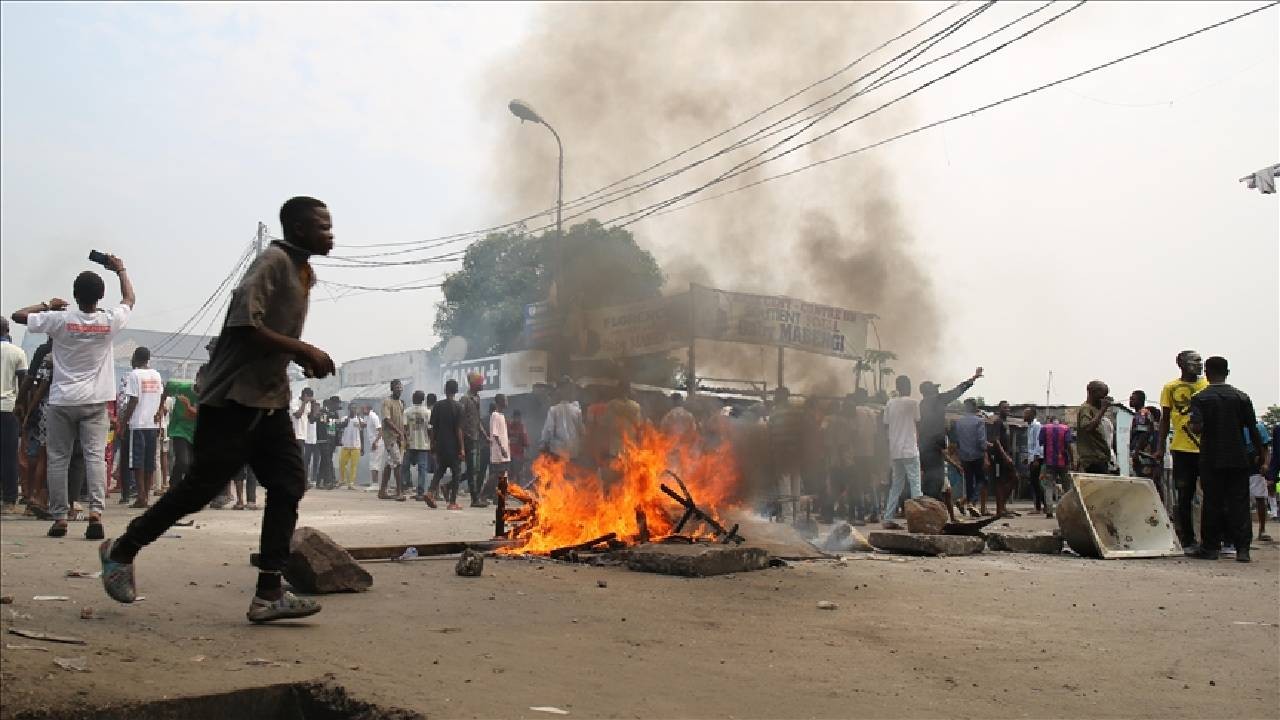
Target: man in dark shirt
{"type": "Point", "coordinates": [1221, 415]}
{"type": "Point", "coordinates": [447, 443]}
{"type": "Point", "coordinates": [1003, 473]}
{"type": "Point", "coordinates": [244, 414]}
{"type": "Point", "coordinates": [786, 444]}
{"type": "Point", "coordinates": [326, 439]}
{"type": "Point", "coordinates": [475, 438]}
{"type": "Point", "coordinates": [933, 431]}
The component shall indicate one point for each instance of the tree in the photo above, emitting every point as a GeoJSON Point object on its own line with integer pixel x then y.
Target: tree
{"type": "Point", "coordinates": [1272, 416]}
{"type": "Point", "coordinates": [878, 358]}
{"type": "Point", "coordinates": [484, 302]}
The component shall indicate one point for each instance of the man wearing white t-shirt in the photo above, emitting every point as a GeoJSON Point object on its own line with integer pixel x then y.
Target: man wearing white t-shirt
{"type": "Point", "coordinates": [144, 389]}
{"type": "Point", "coordinates": [13, 367]}
{"type": "Point", "coordinates": [83, 383]}
{"type": "Point", "coordinates": [900, 417]}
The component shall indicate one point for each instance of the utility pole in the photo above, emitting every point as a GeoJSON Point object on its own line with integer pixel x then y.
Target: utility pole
{"type": "Point", "coordinates": [781, 382]}
{"type": "Point", "coordinates": [259, 239]}
{"type": "Point", "coordinates": [691, 368]}
{"type": "Point", "coordinates": [1047, 388]}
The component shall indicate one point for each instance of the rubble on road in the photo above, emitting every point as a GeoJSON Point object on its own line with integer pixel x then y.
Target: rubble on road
{"type": "Point", "coordinates": [1025, 542]}
{"type": "Point", "coordinates": [697, 560]}
{"type": "Point", "coordinates": [470, 564]}
{"type": "Point", "coordinates": [909, 544]}
{"type": "Point", "coordinates": [317, 564]}
{"type": "Point", "coordinates": [925, 515]}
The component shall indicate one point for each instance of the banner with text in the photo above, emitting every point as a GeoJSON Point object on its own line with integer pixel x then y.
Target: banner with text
{"type": "Point", "coordinates": [779, 321]}
{"type": "Point", "coordinates": [649, 326]}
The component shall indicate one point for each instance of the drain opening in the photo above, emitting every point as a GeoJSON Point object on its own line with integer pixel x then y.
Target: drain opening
{"type": "Point", "coordinates": [290, 701]}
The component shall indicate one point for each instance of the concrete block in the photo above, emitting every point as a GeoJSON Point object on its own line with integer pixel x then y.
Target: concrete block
{"type": "Point", "coordinates": [1021, 542]}
{"type": "Point", "coordinates": [911, 544]}
{"type": "Point", "coordinates": [317, 564]}
{"type": "Point", "coordinates": [697, 560]}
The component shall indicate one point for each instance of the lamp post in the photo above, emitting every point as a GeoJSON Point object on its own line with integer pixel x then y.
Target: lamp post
{"type": "Point", "coordinates": [525, 111]}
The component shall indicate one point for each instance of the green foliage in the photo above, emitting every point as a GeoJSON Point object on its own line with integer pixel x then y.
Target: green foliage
{"type": "Point", "coordinates": [1271, 416]}
{"type": "Point", "coordinates": [484, 301]}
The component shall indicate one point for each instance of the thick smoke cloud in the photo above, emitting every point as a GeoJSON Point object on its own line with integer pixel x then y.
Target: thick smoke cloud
{"type": "Point", "coordinates": [626, 85]}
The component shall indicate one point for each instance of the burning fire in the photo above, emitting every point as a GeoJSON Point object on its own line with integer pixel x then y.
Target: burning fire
{"type": "Point", "coordinates": [571, 505]}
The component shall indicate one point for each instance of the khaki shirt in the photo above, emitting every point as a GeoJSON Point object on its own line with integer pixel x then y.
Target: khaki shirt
{"type": "Point", "coordinates": [273, 294]}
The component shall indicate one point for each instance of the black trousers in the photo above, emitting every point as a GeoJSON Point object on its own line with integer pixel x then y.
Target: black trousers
{"type": "Point", "coordinates": [227, 439]}
{"type": "Point", "coordinates": [322, 465]}
{"type": "Point", "coordinates": [471, 448]}
{"type": "Point", "coordinates": [1033, 475]}
{"type": "Point", "coordinates": [1225, 513]}
{"type": "Point", "coordinates": [183, 456]}
{"type": "Point", "coordinates": [1186, 472]}
{"type": "Point", "coordinates": [447, 459]}
{"type": "Point", "coordinates": [9, 457]}
{"type": "Point", "coordinates": [933, 472]}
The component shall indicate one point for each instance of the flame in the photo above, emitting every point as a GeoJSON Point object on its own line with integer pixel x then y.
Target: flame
{"type": "Point", "coordinates": [573, 505]}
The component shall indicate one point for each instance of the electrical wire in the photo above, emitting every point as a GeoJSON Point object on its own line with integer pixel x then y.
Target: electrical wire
{"type": "Point", "coordinates": [444, 239]}
{"type": "Point", "coordinates": [751, 164]}
{"type": "Point", "coordinates": [918, 49]}
{"type": "Point", "coordinates": [171, 339]}
{"type": "Point", "coordinates": [982, 108]}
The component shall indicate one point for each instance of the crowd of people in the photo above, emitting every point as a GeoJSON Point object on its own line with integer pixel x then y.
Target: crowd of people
{"type": "Point", "coordinates": [70, 436]}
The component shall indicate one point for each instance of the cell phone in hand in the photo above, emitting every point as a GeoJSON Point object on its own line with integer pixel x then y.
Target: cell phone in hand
{"type": "Point", "coordinates": [101, 258]}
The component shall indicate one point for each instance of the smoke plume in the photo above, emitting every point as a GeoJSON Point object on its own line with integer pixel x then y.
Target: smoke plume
{"type": "Point", "coordinates": [628, 84]}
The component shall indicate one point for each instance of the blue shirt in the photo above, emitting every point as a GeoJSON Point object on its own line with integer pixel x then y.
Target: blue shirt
{"type": "Point", "coordinates": [970, 435]}
{"type": "Point", "coordinates": [1262, 430]}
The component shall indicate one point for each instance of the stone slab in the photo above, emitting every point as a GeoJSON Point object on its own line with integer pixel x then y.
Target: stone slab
{"type": "Point", "coordinates": [697, 560]}
{"type": "Point", "coordinates": [1024, 542]}
{"type": "Point", "coordinates": [317, 564]}
{"type": "Point", "coordinates": [914, 544]}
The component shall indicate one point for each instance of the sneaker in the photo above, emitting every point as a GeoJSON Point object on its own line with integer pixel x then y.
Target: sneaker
{"type": "Point", "coordinates": [430, 503]}
{"type": "Point", "coordinates": [57, 529]}
{"type": "Point", "coordinates": [1204, 554]}
{"type": "Point", "coordinates": [1192, 550]}
{"type": "Point", "coordinates": [95, 530]}
{"type": "Point", "coordinates": [289, 606]}
{"type": "Point", "coordinates": [1242, 556]}
{"type": "Point", "coordinates": [117, 578]}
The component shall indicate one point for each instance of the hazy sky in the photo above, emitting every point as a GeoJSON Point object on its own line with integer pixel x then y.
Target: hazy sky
{"type": "Point", "coordinates": [1092, 230]}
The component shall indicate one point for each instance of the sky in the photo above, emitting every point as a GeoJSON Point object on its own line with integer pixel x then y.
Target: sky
{"type": "Point", "coordinates": [1092, 230]}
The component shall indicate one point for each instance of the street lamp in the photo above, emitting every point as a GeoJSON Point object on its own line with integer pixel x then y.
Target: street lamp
{"type": "Point", "coordinates": [525, 111]}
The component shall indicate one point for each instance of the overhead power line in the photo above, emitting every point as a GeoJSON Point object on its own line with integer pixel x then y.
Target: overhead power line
{"type": "Point", "coordinates": [982, 108]}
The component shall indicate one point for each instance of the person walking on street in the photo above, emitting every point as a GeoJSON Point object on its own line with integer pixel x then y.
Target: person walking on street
{"type": "Point", "coordinates": [900, 417]}
{"type": "Point", "coordinates": [373, 446]}
{"type": "Point", "coordinates": [83, 383]}
{"type": "Point", "coordinates": [394, 440]}
{"type": "Point", "coordinates": [475, 437]}
{"type": "Point", "coordinates": [1221, 416]}
{"type": "Point", "coordinates": [326, 434]}
{"type": "Point", "coordinates": [141, 415]}
{"type": "Point", "coordinates": [13, 367]}
{"type": "Point", "coordinates": [244, 414]}
{"type": "Point", "coordinates": [1092, 445]}
{"type": "Point", "coordinates": [447, 444]}
{"type": "Point", "coordinates": [1184, 448]}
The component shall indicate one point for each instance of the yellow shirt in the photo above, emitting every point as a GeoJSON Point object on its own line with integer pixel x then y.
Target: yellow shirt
{"type": "Point", "coordinates": [1176, 400]}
